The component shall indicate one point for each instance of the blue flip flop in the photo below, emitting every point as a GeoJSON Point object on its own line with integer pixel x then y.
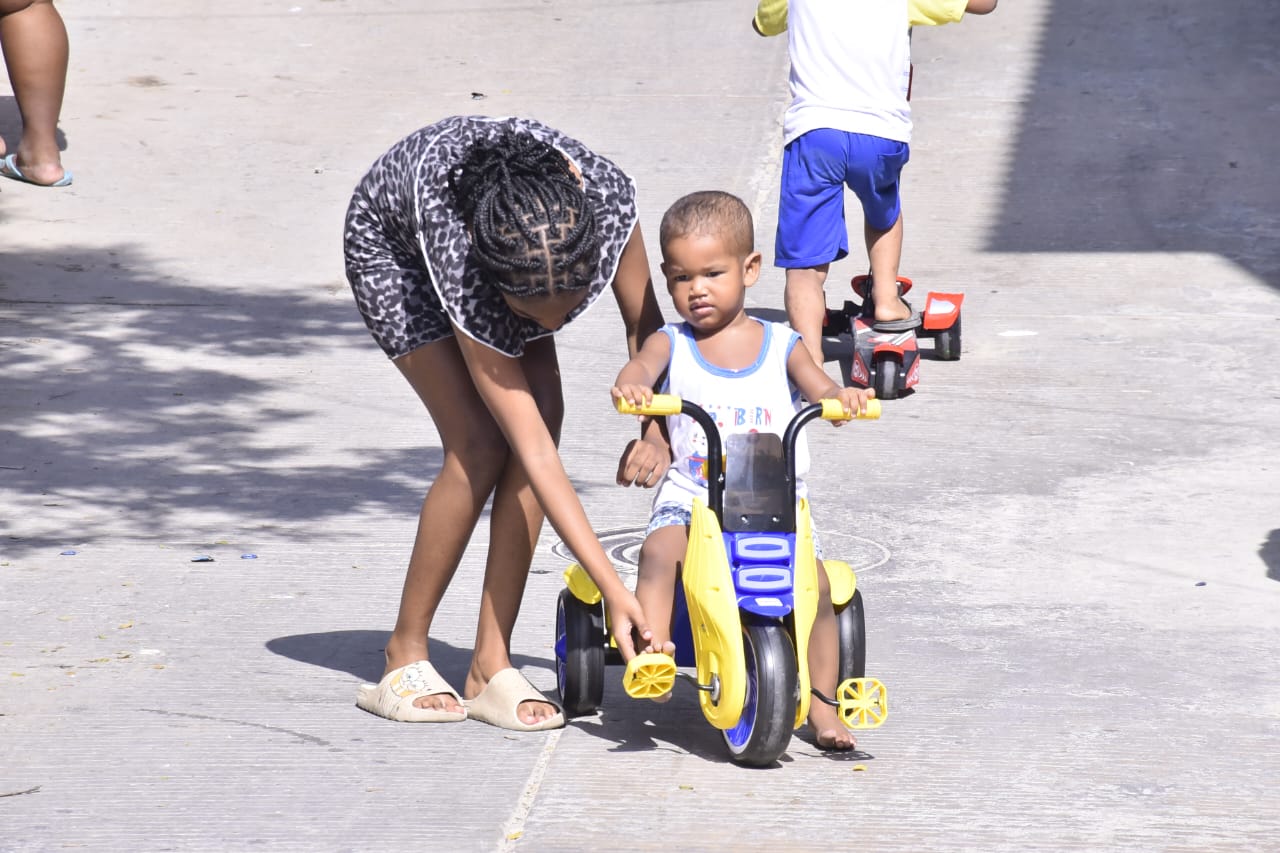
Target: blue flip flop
{"type": "Point", "coordinates": [9, 169]}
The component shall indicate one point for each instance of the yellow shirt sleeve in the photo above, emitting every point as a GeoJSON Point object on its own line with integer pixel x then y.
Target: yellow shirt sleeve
{"type": "Point", "coordinates": [928, 13]}
{"type": "Point", "coordinates": [771, 17]}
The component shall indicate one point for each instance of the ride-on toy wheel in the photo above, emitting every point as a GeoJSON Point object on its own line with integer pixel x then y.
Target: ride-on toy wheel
{"type": "Point", "coordinates": [946, 342]}
{"type": "Point", "coordinates": [862, 703]}
{"type": "Point", "coordinates": [580, 639]}
{"type": "Point", "coordinates": [853, 638]}
{"type": "Point", "coordinates": [649, 675]}
{"type": "Point", "coordinates": [886, 371]}
{"type": "Point", "coordinates": [768, 713]}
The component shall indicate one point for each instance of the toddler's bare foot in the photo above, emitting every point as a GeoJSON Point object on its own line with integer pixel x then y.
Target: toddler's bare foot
{"type": "Point", "coordinates": [828, 731]}
{"type": "Point", "coordinates": [668, 649]}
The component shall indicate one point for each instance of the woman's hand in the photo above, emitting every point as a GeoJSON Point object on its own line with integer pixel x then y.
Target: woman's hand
{"type": "Point", "coordinates": [643, 463]}
{"type": "Point", "coordinates": [627, 622]}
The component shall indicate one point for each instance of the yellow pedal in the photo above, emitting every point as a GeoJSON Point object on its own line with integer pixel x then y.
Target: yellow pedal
{"type": "Point", "coordinates": [649, 676]}
{"type": "Point", "coordinates": [863, 703]}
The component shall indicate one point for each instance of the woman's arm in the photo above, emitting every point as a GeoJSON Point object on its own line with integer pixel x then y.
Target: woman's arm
{"type": "Point", "coordinates": [503, 385]}
{"type": "Point", "coordinates": [633, 290]}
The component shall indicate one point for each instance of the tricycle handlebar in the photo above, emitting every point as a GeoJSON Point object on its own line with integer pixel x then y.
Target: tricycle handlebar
{"type": "Point", "coordinates": [670, 404]}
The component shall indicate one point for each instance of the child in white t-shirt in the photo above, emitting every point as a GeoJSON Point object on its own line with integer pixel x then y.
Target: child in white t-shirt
{"type": "Point", "coordinates": [848, 124]}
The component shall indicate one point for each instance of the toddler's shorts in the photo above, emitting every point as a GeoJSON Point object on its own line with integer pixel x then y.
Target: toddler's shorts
{"type": "Point", "coordinates": [816, 167]}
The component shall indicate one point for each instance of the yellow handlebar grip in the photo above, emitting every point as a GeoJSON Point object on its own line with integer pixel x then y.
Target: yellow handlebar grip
{"type": "Point", "coordinates": [833, 410]}
{"type": "Point", "coordinates": [662, 404]}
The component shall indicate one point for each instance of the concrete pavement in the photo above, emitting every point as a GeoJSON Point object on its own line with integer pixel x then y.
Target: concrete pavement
{"type": "Point", "coordinates": [1069, 540]}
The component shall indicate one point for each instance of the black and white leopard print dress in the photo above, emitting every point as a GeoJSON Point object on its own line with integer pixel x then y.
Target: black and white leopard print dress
{"type": "Point", "coordinates": [406, 247]}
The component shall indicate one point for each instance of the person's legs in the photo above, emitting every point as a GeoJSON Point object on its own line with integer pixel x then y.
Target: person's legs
{"type": "Point", "coordinates": [34, 42]}
{"type": "Point", "coordinates": [811, 229]}
{"type": "Point", "coordinates": [874, 174]}
{"type": "Point", "coordinates": [660, 558]}
{"type": "Point", "coordinates": [806, 305]}
{"type": "Point", "coordinates": [824, 670]}
{"type": "Point", "coordinates": [515, 521]}
{"type": "Point", "coordinates": [884, 250]}
{"type": "Point", "coordinates": [475, 454]}
{"type": "Point", "coordinates": [659, 571]}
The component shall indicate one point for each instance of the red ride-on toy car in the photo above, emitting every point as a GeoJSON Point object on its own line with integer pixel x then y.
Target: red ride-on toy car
{"type": "Point", "coordinates": [886, 356]}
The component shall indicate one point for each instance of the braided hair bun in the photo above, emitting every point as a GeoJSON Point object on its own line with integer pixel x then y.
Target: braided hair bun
{"type": "Point", "coordinates": [532, 226]}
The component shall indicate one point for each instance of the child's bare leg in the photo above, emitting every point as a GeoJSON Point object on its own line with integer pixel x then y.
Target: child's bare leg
{"type": "Point", "coordinates": [806, 306]}
{"type": "Point", "coordinates": [884, 249]}
{"type": "Point", "coordinates": [660, 559]}
{"type": "Point", "coordinates": [475, 454]}
{"type": "Point", "coordinates": [824, 670]}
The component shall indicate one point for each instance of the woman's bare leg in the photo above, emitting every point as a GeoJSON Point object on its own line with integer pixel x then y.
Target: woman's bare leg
{"type": "Point", "coordinates": [514, 524]}
{"type": "Point", "coordinates": [34, 41]}
{"type": "Point", "coordinates": [475, 454]}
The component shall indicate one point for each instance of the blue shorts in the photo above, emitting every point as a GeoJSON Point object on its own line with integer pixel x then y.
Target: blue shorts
{"type": "Point", "coordinates": [672, 513]}
{"type": "Point", "coordinates": [816, 167]}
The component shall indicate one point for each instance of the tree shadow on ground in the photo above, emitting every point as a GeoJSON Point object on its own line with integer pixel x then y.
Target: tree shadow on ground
{"type": "Point", "coordinates": [131, 404]}
{"type": "Point", "coordinates": [1149, 128]}
{"type": "Point", "coordinates": [360, 653]}
{"type": "Point", "coordinates": [1270, 554]}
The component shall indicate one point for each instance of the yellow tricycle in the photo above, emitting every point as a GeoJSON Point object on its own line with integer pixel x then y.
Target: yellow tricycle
{"type": "Point", "coordinates": [750, 580]}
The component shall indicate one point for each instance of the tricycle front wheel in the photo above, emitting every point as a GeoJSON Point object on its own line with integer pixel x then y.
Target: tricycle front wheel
{"type": "Point", "coordinates": [769, 711]}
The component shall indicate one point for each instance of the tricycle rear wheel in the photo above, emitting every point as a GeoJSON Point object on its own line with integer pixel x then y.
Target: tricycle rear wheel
{"type": "Point", "coordinates": [580, 639]}
{"type": "Point", "coordinates": [853, 638]}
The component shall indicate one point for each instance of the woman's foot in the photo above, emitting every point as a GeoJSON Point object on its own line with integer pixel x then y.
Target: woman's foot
{"type": "Point", "coordinates": [46, 173]}
{"type": "Point", "coordinates": [403, 656]}
{"type": "Point", "coordinates": [531, 712]}
{"type": "Point", "coordinates": [828, 731]}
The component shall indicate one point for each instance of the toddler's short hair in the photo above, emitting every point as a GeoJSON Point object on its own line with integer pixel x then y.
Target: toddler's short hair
{"type": "Point", "coordinates": [710, 213]}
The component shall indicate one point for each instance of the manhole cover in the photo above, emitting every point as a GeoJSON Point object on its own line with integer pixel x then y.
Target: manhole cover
{"type": "Point", "coordinates": [622, 545]}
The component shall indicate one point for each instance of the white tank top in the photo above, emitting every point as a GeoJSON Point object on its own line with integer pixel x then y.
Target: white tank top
{"type": "Point", "coordinates": [757, 398]}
